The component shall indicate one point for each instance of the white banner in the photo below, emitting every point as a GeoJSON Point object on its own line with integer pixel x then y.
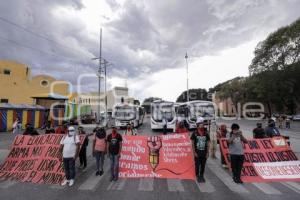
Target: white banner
{"type": "Point", "coordinates": [278, 170]}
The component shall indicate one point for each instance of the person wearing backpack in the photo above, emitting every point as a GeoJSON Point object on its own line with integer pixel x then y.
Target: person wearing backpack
{"type": "Point", "coordinates": [99, 149]}
{"type": "Point", "coordinates": [70, 145]}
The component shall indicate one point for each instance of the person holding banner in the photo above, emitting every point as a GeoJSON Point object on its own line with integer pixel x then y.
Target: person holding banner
{"type": "Point", "coordinates": [235, 144]}
{"type": "Point", "coordinates": [271, 130]}
{"type": "Point", "coordinates": [200, 143]}
{"type": "Point", "coordinates": [130, 130]}
{"type": "Point", "coordinates": [70, 145]}
{"type": "Point", "coordinates": [259, 132]}
{"type": "Point", "coordinates": [82, 152]}
{"type": "Point", "coordinates": [222, 133]}
{"type": "Point", "coordinates": [114, 141]}
{"type": "Point", "coordinates": [99, 149]}
{"type": "Point", "coordinates": [180, 128]}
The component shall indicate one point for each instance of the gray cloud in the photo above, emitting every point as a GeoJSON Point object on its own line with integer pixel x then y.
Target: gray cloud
{"type": "Point", "coordinates": [144, 36]}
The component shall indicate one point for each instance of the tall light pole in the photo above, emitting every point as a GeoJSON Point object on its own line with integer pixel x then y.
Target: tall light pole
{"type": "Point", "coordinates": [187, 78]}
{"type": "Point", "coordinates": [99, 77]}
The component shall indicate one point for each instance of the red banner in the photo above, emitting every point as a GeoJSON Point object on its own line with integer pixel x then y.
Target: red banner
{"type": "Point", "coordinates": [163, 156]}
{"type": "Point", "coordinates": [266, 160]}
{"type": "Point", "coordinates": [35, 159]}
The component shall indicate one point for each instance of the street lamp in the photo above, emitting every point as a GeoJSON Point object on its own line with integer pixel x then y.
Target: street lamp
{"type": "Point", "coordinates": [187, 77]}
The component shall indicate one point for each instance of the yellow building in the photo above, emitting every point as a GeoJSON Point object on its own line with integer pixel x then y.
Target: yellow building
{"type": "Point", "coordinates": [17, 86]}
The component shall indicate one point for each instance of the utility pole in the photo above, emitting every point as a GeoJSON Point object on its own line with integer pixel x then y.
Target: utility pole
{"type": "Point", "coordinates": [187, 78]}
{"type": "Point", "coordinates": [105, 65]}
{"type": "Point", "coordinates": [99, 77]}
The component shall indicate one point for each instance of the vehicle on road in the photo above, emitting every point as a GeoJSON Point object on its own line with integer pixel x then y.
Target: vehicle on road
{"type": "Point", "coordinates": [190, 111]}
{"type": "Point", "coordinates": [161, 109]}
{"type": "Point", "coordinates": [296, 117]}
{"type": "Point", "coordinates": [124, 114]}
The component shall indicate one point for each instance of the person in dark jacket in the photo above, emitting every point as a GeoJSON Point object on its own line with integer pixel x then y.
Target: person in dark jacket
{"type": "Point", "coordinates": [49, 129]}
{"type": "Point", "coordinates": [259, 132]}
{"type": "Point", "coordinates": [82, 152]}
{"type": "Point", "coordinates": [271, 130]}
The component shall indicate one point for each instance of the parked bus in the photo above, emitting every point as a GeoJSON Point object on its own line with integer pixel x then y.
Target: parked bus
{"type": "Point", "coordinates": [162, 109]}
{"type": "Point", "coordinates": [190, 111]}
{"type": "Point", "coordinates": [128, 113]}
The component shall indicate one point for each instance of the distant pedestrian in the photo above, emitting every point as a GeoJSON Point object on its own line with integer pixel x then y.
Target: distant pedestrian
{"type": "Point", "coordinates": [235, 144]}
{"type": "Point", "coordinates": [280, 122]}
{"type": "Point", "coordinates": [271, 130]}
{"type": "Point", "coordinates": [259, 132]}
{"type": "Point", "coordinates": [200, 143]}
{"type": "Point", "coordinates": [82, 153]}
{"type": "Point", "coordinates": [99, 149]}
{"type": "Point", "coordinates": [49, 129]}
{"type": "Point", "coordinates": [129, 130]}
{"type": "Point", "coordinates": [114, 141]}
{"type": "Point", "coordinates": [222, 133]}
{"type": "Point", "coordinates": [17, 127]}
{"type": "Point", "coordinates": [165, 125]}
{"type": "Point", "coordinates": [288, 123]}
{"type": "Point", "coordinates": [70, 145]}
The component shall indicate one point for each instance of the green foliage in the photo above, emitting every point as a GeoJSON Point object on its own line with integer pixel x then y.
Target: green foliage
{"type": "Point", "coordinates": [194, 94]}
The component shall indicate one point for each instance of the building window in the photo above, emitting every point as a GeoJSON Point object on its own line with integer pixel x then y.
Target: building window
{"type": "Point", "coordinates": [44, 83]}
{"type": "Point", "coordinates": [3, 100]}
{"type": "Point", "coordinates": [6, 71]}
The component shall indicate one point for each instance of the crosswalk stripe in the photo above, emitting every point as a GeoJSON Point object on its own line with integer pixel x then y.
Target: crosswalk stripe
{"type": "Point", "coordinates": [92, 181]}
{"type": "Point", "coordinates": [206, 187]}
{"type": "Point", "coordinates": [293, 186]}
{"type": "Point", "coordinates": [175, 185]}
{"type": "Point", "coordinates": [146, 184]}
{"type": "Point", "coordinates": [225, 178]}
{"type": "Point", "coordinates": [118, 185]}
{"type": "Point", "coordinates": [267, 188]}
{"type": "Point", "coordinates": [7, 184]}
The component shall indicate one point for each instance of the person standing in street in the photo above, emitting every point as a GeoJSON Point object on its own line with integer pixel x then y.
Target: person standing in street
{"type": "Point", "coordinates": [70, 145]}
{"type": "Point", "coordinates": [30, 130]}
{"type": "Point", "coordinates": [49, 129]}
{"type": "Point", "coordinates": [200, 143]}
{"type": "Point", "coordinates": [259, 132]}
{"type": "Point", "coordinates": [271, 130]}
{"type": "Point", "coordinates": [222, 133]}
{"type": "Point", "coordinates": [17, 127]}
{"type": "Point", "coordinates": [82, 152]}
{"type": "Point", "coordinates": [99, 149]}
{"type": "Point", "coordinates": [165, 125]}
{"type": "Point", "coordinates": [235, 144]}
{"type": "Point", "coordinates": [114, 147]}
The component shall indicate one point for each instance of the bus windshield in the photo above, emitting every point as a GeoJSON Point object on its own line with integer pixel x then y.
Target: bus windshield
{"type": "Point", "coordinates": [201, 110]}
{"type": "Point", "coordinates": [125, 113]}
{"type": "Point", "coordinates": [159, 111]}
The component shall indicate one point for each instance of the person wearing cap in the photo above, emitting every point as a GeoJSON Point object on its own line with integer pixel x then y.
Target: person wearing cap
{"type": "Point", "coordinates": [200, 143]}
{"type": "Point", "coordinates": [70, 145]}
{"type": "Point", "coordinates": [259, 132]}
{"type": "Point", "coordinates": [114, 147]}
{"type": "Point", "coordinates": [271, 130]}
{"type": "Point", "coordinates": [235, 144]}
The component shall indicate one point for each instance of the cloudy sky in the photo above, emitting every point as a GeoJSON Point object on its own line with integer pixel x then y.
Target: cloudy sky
{"type": "Point", "coordinates": [145, 40]}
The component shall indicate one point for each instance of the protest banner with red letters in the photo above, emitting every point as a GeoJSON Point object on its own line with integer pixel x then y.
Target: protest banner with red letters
{"type": "Point", "coordinates": [163, 156]}
{"type": "Point", "coordinates": [267, 160]}
{"type": "Point", "coordinates": [35, 159]}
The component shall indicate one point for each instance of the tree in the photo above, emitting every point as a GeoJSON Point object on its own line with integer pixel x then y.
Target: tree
{"type": "Point", "coordinates": [194, 94]}
{"type": "Point", "coordinates": [279, 50]}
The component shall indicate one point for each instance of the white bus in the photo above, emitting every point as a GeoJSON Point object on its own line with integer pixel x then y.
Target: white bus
{"type": "Point", "coordinates": [124, 114]}
{"type": "Point", "coordinates": [162, 109]}
{"type": "Point", "coordinates": [190, 111]}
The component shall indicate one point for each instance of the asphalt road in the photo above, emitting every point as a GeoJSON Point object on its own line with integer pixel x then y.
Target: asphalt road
{"type": "Point", "coordinates": [87, 186]}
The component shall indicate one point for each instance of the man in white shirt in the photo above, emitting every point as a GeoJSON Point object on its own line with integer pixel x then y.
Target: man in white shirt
{"type": "Point", "coordinates": [70, 145]}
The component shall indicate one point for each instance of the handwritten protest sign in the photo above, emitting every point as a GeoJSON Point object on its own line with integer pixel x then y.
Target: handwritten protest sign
{"type": "Point", "coordinates": [165, 156]}
{"type": "Point", "coordinates": [34, 159]}
{"type": "Point", "coordinates": [268, 159]}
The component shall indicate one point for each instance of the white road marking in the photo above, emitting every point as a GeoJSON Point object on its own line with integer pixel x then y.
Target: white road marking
{"type": "Point", "coordinates": [146, 184]}
{"type": "Point", "coordinates": [206, 187]}
{"type": "Point", "coordinates": [225, 178]}
{"type": "Point", "coordinates": [118, 185]}
{"type": "Point", "coordinates": [293, 186]}
{"type": "Point", "coordinates": [175, 185]}
{"type": "Point", "coordinates": [267, 188]}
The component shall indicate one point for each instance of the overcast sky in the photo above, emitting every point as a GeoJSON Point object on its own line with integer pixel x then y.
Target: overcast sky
{"type": "Point", "coordinates": [145, 40]}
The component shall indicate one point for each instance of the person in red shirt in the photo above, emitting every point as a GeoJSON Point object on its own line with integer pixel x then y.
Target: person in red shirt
{"type": "Point", "coordinates": [222, 133]}
{"type": "Point", "coordinates": [61, 129]}
{"type": "Point", "coordinates": [181, 128]}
